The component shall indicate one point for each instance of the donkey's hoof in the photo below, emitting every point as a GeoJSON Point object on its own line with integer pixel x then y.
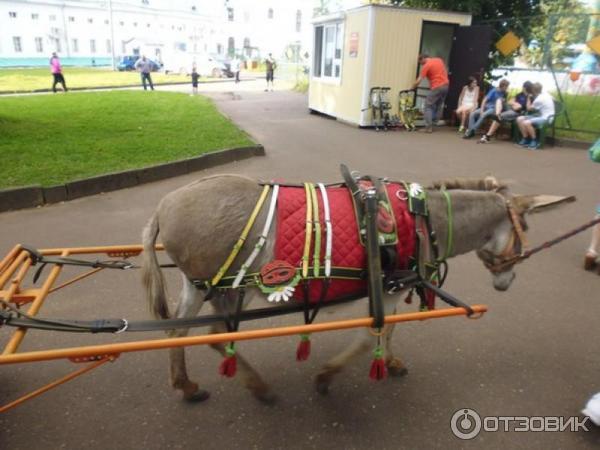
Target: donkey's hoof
{"type": "Point", "coordinates": [589, 262]}
{"type": "Point", "coordinates": [267, 398]}
{"type": "Point", "coordinates": [322, 383]}
{"type": "Point", "coordinates": [199, 396]}
{"type": "Point", "coordinates": [396, 368]}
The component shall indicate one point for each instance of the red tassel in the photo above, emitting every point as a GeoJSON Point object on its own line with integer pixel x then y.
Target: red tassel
{"type": "Point", "coordinates": [228, 366]}
{"type": "Point", "coordinates": [303, 350]}
{"type": "Point", "coordinates": [378, 370]}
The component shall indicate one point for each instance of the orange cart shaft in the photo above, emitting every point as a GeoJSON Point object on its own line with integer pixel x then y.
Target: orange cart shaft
{"type": "Point", "coordinates": [112, 349]}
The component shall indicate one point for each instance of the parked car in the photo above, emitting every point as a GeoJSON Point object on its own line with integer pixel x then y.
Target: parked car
{"type": "Point", "coordinates": [128, 63]}
{"type": "Point", "coordinates": [206, 66]}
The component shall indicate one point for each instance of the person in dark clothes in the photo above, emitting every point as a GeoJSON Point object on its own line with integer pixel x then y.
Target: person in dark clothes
{"type": "Point", "coordinates": [195, 78]}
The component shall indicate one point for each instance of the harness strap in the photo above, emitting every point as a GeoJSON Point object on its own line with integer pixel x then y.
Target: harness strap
{"type": "Point", "coordinates": [329, 229]}
{"type": "Point", "coordinates": [308, 231]}
{"type": "Point", "coordinates": [261, 240]}
{"type": "Point", "coordinates": [239, 244]}
{"type": "Point", "coordinates": [317, 228]}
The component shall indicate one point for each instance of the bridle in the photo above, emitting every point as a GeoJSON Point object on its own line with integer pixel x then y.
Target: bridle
{"type": "Point", "coordinates": [514, 250]}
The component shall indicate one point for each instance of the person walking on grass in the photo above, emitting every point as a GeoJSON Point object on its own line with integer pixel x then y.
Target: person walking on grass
{"type": "Point", "coordinates": [271, 66]}
{"type": "Point", "coordinates": [195, 78]}
{"type": "Point", "coordinates": [144, 66]}
{"type": "Point", "coordinates": [542, 112]}
{"type": "Point", "coordinates": [488, 108]}
{"type": "Point", "coordinates": [57, 74]}
{"type": "Point", "coordinates": [434, 70]}
{"type": "Point", "coordinates": [467, 102]}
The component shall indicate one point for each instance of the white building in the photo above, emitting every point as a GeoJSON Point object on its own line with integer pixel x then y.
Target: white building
{"type": "Point", "coordinates": [85, 30]}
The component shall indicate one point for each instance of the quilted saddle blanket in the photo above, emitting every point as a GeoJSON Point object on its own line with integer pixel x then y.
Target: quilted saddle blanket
{"type": "Point", "coordinates": [347, 250]}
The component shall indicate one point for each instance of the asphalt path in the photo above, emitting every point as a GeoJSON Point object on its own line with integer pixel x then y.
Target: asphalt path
{"type": "Point", "coordinates": [535, 353]}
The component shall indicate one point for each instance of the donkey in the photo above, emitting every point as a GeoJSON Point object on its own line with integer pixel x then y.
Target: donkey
{"type": "Point", "coordinates": [199, 224]}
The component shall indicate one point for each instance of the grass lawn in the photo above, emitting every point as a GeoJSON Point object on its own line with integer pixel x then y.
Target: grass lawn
{"type": "Point", "coordinates": [27, 80]}
{"type": "Point", "coordinates": [584, 113]}
{"type": "Point", "coordinates": [51, 139]}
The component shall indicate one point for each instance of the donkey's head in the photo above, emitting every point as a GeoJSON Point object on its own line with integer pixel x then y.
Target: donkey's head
{"type": "Point", "coordinates": [505, 240]}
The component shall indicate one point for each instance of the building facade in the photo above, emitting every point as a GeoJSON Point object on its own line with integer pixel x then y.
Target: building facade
{"type": "Point", "coordinates": [93, 31]}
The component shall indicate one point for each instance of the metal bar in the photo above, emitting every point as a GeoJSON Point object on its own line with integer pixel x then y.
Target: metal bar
{"type": "Point", "coordinates": [18, 335]}
{"type": "Point", "coordinates": [108, 349]}
{"type": "Point", "coordinates": [56, 383]}
{"type": "Point", "coordinates": [8, 272]}
{"type": "Point", "coordinates": [103, 249]}
{"type": "Point", "coordinates": [75, 279]}
{"type": "Point", "coordinates": [10, 257]}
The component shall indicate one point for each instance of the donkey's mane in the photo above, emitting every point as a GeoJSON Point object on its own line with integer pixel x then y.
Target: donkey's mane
{"type": "Point", "coordinates": [488, 183]}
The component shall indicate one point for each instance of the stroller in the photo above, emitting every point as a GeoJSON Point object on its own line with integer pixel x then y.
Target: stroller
{"type": "Point", "coordinates": [406, 108]}
{"type": "Point", "coordinates": [380, 105]}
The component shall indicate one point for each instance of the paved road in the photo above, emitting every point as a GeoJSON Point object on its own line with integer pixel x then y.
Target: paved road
{"type": "Point", "coordinates": [535, 353]}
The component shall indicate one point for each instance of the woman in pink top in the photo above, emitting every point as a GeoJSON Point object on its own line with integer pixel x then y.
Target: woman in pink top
{"type": "Point", "coordinates": [56, 70]}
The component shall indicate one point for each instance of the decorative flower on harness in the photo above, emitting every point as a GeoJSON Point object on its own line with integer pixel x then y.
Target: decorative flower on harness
{"type": "Point", "coordinates": [278, 279]}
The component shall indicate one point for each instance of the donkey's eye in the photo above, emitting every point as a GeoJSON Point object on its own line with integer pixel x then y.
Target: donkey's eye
{"type": "Point", "coordinates": [488, 237]}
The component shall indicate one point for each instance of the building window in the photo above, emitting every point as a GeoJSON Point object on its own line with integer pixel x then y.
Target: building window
{"type": "Point", "coordinates": [39, 46]}
{"type": "Point", "coordinates": [121, 23]}
{"type": "Point", "coordinates": [298, 21]}
{"type": "Point", "coordinates": [194, 8]}
{"type": "Point", "coordinates": [92, 45]}
{"type": "Point", "coordinates": [71, 19]}
{"type": "Point", "coordinates": [145, 2]}
{"type": "Point", "coordinates": [17, 44]}
{"type": "Point", "coordinates": [219, 48]}
{"type": "Point", "coordinates": [75, 45]}
{"type": "Point", "coordinates": [12, 14]}
{"type": "Point", "coordinates": [230, 14]}
{"type": "Point", "coordinates": [123, 47]}
{"type": "Point", "coordinates": [106, 22]}
{"type": "Point", "coordinates": [52, 18]}
{"type": "Point", "coordinates": [35, 16]}
{"type": "Point", "coordinates": [147, 25]}
{"type": "Point", "coordinates": [328, 51]}
{"type": "Point", "coordinates": [270, 13]}
{"type": "Point", "coordinates": [231, 46]}
{"type": "Point", "coordinates": [57, 45]}
{"type": "Point", "coordinates": [90, 20]}
{"type": "Point", "coordinates": [135, 24]}
{"type": "Point", "coordinates": [108, 46]}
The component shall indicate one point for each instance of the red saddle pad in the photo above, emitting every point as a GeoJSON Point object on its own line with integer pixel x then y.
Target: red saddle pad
{"type": "Point", "coordinates": [347, 252]}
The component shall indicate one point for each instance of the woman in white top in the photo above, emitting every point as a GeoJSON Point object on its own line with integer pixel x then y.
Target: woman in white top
{"type": "Point", "coordinates": [467, 102]}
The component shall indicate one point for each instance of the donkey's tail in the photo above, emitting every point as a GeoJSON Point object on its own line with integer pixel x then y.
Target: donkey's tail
{"type": "Point", "coordinates": [152, 277]}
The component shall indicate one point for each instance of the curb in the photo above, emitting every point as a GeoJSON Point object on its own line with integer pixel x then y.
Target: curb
{"type": "Point", "coordinates": [36, 195]}
{"type": "Point", "coordinates": [124, 86]}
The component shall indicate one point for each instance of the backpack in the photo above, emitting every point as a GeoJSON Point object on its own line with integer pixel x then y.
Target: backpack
{"type": "Point", "coordinates": [594, 152]}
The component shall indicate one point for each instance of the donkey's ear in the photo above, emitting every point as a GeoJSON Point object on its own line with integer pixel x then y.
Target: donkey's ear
{"type": "Point", "coordinates": [537, 203]}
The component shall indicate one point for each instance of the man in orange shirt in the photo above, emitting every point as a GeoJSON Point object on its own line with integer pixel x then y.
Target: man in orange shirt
{"type": "Point", "coordinates": [434, 70]}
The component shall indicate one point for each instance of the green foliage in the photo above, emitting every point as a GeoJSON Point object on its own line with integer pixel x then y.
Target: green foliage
{"type": "Point", "coordinates": [51, 139]}
{"type": "Point", "coordinates": [558, 28]}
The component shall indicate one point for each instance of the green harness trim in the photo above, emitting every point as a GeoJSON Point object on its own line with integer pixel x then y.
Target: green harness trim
{"type": "Point", "coordinates": [450, 239]}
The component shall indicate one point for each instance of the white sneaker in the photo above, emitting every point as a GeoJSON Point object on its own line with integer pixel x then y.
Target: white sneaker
{"type": "Point", "coordinates": [592, 409]}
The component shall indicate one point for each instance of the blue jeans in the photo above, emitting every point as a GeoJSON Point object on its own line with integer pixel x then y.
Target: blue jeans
{"type": "Point", "coordinates": [477, 117]}
{"type": "Point", "coordinates": [434, 104]}
{"type": "Point", "coordinates": [146, 76]}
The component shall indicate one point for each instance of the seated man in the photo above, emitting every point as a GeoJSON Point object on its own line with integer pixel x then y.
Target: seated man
{"type": "Point", "coordinates": [488, 108]}
{"type": "Point", "coordinates": [508, 112]}
{"type": "Point", "coordinates": [542, 108]}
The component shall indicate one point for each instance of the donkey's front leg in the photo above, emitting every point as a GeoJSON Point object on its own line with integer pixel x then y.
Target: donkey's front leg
{"type": "Point", "coordinates": [190, 302]}
{"type": "Point", "coordinates": [362, 344]}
